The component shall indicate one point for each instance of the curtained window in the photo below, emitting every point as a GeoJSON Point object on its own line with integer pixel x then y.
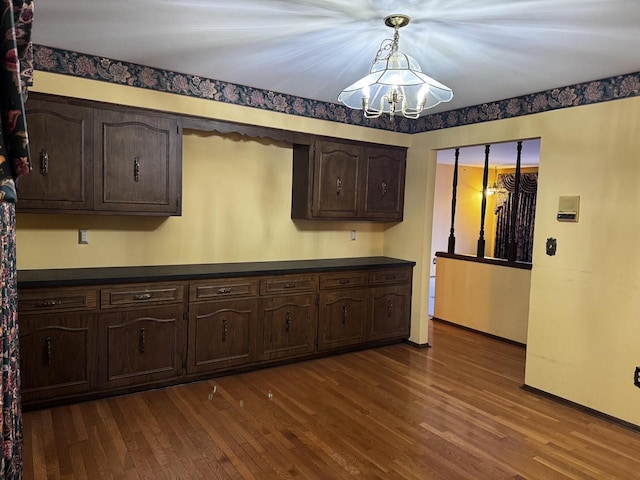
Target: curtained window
{"type": "Point", "coordinates": [525, 216]}
{"type": "Point", "coordinates": [15, 75]}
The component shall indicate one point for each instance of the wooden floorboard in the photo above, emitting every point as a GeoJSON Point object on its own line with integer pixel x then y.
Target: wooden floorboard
{"type": "Point", "coordinates": [454, 411]}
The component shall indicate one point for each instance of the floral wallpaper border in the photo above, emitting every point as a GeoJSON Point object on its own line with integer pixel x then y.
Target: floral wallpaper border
{"type": "Point", "coordinates": [115, 71]}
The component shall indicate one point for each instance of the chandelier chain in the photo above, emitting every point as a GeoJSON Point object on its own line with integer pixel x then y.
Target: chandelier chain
{"type": "Point", "coordinates": [387, 45]}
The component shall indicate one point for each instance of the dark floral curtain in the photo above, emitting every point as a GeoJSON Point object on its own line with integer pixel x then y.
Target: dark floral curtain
{"type": "Point", "coordinates": [525, 216]}
{"type": "Point", "coordinates": [16, 74]}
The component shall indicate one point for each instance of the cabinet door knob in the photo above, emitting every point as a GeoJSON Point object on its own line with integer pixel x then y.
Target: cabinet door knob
{"type": "Point", "coordinates": [289, 285]}
{"type": "Point", "coordinates": [287, 322]}
{"type": "Point", "coordinates": [223, 290]}
{"type": "Point", "coordinates": [389, 308]}
{"type": "Point", "coordinates": [224, 329]}
{"type": "Point", "coordinates": [344, 314]}
{"type": "Point", "coordinates": [384, 188]}
{"type": "Point", "coordinates": [338, 185]}
{"type": "Point", "coordinates": [141, 345]}
{"type": "Point", "coordinates": [136, 169]}
{"type": "Point", "coordinates": [344, 281]}
{"type": "Point", "coordinates": [44, 162]}
{"type": "Point", "coordinates": [48, 348]}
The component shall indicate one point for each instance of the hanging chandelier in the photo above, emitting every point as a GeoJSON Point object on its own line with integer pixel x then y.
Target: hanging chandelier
{"type": "Point", "coordinates": [395, 84]}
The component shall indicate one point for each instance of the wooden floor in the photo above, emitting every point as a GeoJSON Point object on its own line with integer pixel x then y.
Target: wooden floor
{"type": "Point", "coordinates": [454, 411]}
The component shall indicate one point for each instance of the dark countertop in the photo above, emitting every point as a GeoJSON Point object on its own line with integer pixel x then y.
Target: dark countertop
{"type": "Point", "coordinates": [65, 277]}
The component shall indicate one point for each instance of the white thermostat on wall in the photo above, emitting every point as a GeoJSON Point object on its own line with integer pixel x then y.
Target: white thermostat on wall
{"type": "Point", "coordinates": [568, 208]}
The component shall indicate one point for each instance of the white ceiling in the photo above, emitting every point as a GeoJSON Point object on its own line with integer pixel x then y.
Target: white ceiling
{"type": "Point", "coordinates": [484, 50]}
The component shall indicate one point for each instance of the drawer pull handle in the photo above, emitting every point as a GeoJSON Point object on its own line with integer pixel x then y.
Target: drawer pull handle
{"type": "Point", "coordinates": [344, 281]}
{"type": "Point", "coordinates": [391, 277]}
{"type": "Point", "coordinates": [143, 296]}
{"type": "Point", "coordinates": [287, 322]}
{"type": "Point", "coordinates": [48, 348]}
{"type": "Point", "coordinates": [338, 185]}
{"type": "Point", "coordinates": [44, 162]}
{"type": "Point", "coordinates": [136, 169]}
{"type": "Point", "coordinates": [142, 341]}
{"type": "Point", "coordinates": [384, 188]}
{"type": "Point", "coordinates": [48, 303]}
{"type": "Point", "coordinates": [289, 285]}
{"type": "Point", "coordinates": [224, 290]}
{"type": "Point", "coordinates": [344, 314]}
{"type": "Point", "coordinates": [389, 308]}
{"type": "Point", "coordinates": [224, 329]}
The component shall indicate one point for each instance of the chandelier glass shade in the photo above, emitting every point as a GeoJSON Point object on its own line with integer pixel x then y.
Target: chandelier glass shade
{"type": "Point", "coordinates": [395, 84]}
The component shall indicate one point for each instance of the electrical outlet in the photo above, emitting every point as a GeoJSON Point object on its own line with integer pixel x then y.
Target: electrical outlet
{"type": "Point", "coordinates": [83, 237]}
{"type": "Point", "coordinates": [353, 235]}
{"type": "Point", "coordinates": [636, 377]}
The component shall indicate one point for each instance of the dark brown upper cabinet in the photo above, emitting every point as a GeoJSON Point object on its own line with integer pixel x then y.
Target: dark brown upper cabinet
{"type": "Point", "coordinates": [61, 156]}
{"type": "Point", "coordinates": [90, 157]}
{"type": "Point", "coordinates": [136, 169]}
{"type": "Point", "coordinates": [348, 181]}
{"type": "Point", "coordinates": [383, 184]}
{"type": "Point", "coordinates": [335, 180]}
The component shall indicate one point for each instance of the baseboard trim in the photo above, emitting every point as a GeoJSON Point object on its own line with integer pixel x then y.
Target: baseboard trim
{"type": "Point", "coordinates": [418, 345]}
{"type": "Point", "coordinates": [490, 335]}
{"type": "Point", "coordinates": [582, 408]}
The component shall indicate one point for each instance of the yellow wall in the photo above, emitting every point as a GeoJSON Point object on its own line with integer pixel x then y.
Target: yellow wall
{"type": "Point", "coordinates": [583, 335]}
{"type": "Point", "coordinates": [488, 298]}
{"type": "Point", "coordinates": [468, 207]}
{"type": "Point", "coordinates": [236, 199]}
{"type": "Point", "coordinates": [236, 207]}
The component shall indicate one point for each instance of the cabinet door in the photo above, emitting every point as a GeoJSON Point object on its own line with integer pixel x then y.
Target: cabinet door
{"type": "Point", "coordinates": [389, 312]}
{"type": "Point", "coordinates": [335, 180]}
{"type": "Point", "coordinates": [341, 319]}
{"type": "Point", "coordinates": [137, 163]}
{"type": "Point", "coordinates": [56, 354]}
{"type": "Point", "coordinates": [140, 346]}
{"type": "Point", "coordinates": [383, 192]}
{"type": "Point", "coordinates": [287, 326]}
{"type": "Point", "coordinates": [221, 334]}
{"type": "Point", "coordinates": [60, 144]}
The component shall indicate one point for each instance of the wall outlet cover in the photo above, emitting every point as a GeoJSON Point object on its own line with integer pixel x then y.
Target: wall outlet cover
{"type": "Point", "coordinates": [552, 245]}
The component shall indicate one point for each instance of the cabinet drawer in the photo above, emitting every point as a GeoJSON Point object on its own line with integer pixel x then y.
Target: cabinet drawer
{"type": "Point", "coordinates": [151, 294]}
{"type": "Point", "coordinates": [288, 284]}
{"type": "Point", "coordinates": [390, 276]}
{"type": "Point", "coordinates": [56, 300]}
{"type": "Point", "coordinates": [223, 288]}
{"type": "Point", "coordinates": [342, 279]}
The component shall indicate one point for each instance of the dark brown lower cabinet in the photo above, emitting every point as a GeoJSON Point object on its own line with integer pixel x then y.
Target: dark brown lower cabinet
{"type": "Point", "coordinates": [389, 312]}
{"type": "Point", "coordinates": [341, 318]}
{"type": "Point", "coordinates": [140, 346]}
{"type": "Point", "coordinates": [287, 326]}
{"type": "Point", "coordinates": [87, 341]}
{"type": "Point", "coordinates": [222, 334]}
{"type": "Point", "coordinates": [56, 355]}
